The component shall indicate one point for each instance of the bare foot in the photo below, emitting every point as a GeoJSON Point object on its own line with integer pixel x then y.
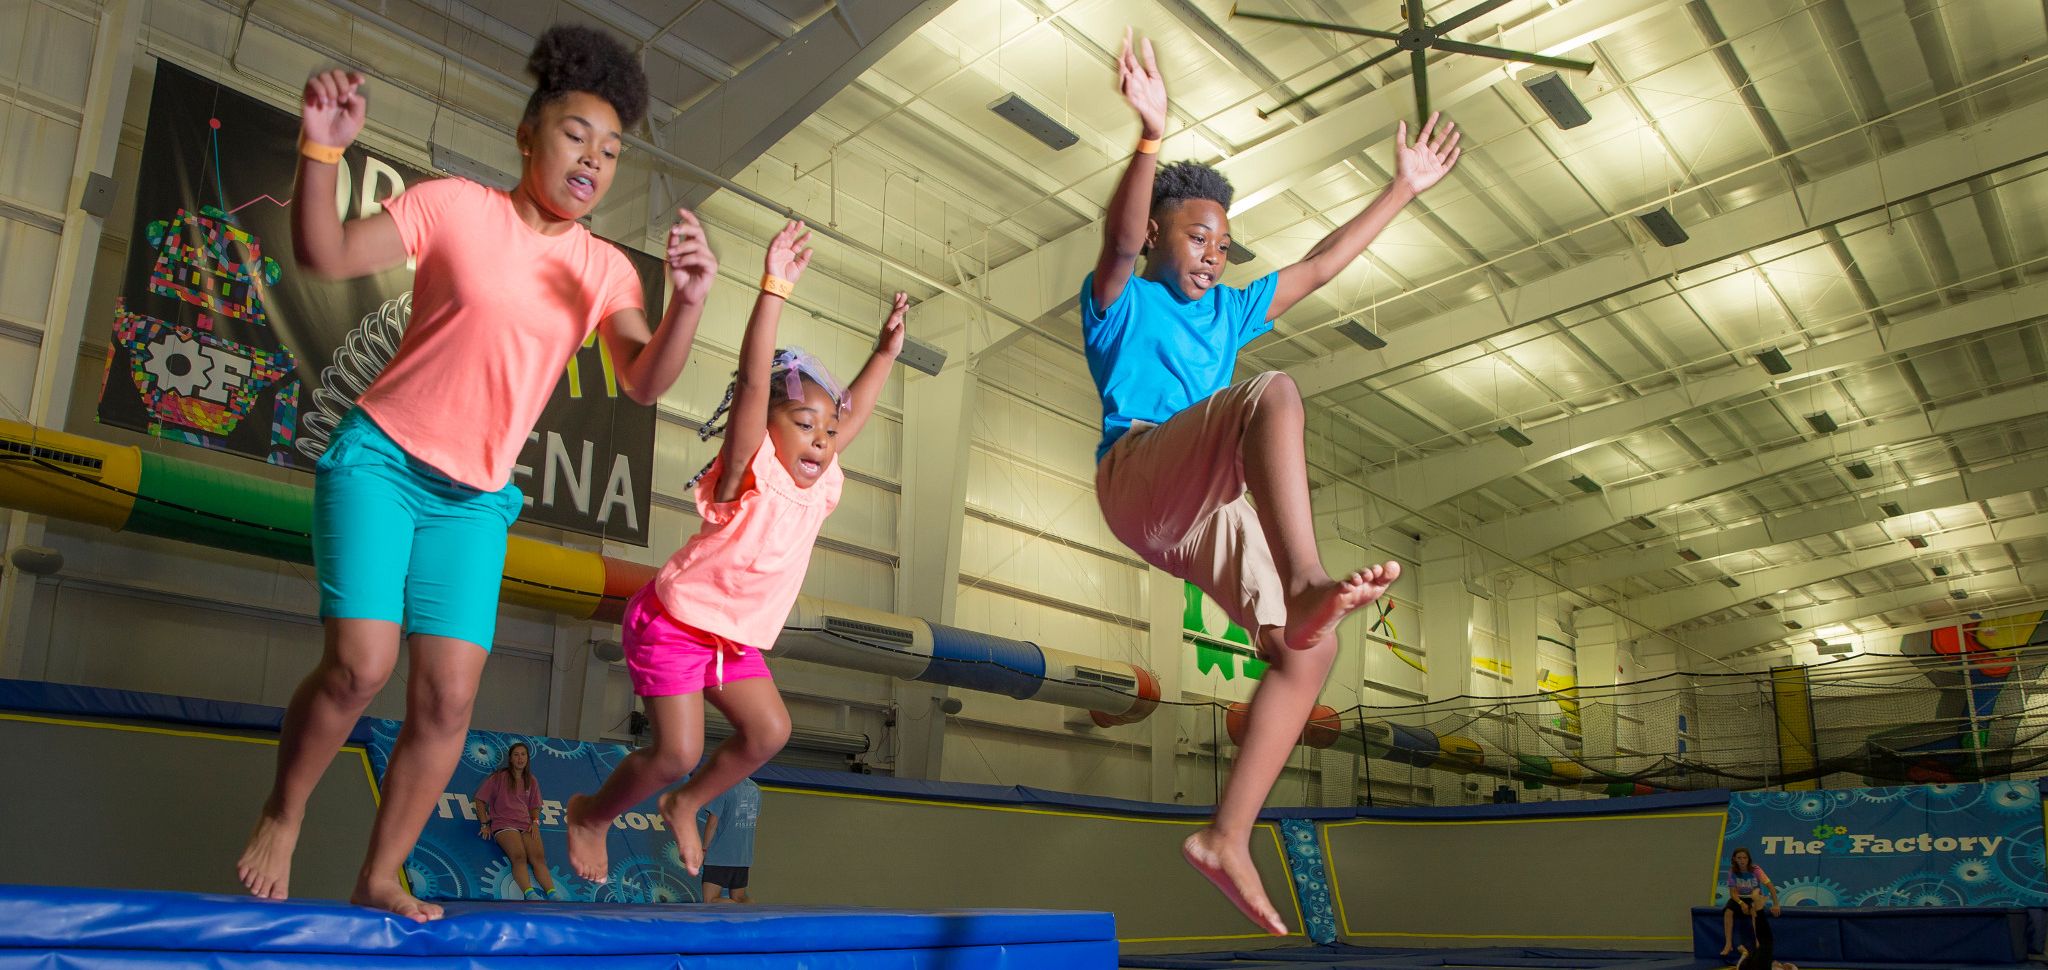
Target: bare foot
{"type": "Point", "coordinates": [1228, 864]}
{"type": "Point", "coordinates": [683, 825]}
{"type": "Point", "coordinates": [265, 867]}
{"type": "Point", "coordinates": [387, 894]}
{"type": "Point", "coordinates": [1313, 613]}
{"type": "Point", "coordinates": [586, 841]}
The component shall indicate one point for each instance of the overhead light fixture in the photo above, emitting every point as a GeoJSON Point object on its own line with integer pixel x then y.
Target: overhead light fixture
{"type": "Point", "coordinates": [1833, 649]}
{"type": "Point", "coordinates": [1822, 422]}
{"type": "Point", "coordinates": [1688, 555]}
{"type": "Point", "coordinates": [1860, 469]}
{"type": "Point", "coordinates": [1240, 253]}
{"type": "Point", "coordinates": [1794, 625]}
{"type": "Point", "coordinates": [1035, 123]}
{"type": "Point", "coordinates": [921, 356]}
{"type": "Point", "coordinates": [1774, 361]}
{"type": "Point", "coordinates": [1663, 227]}
{"type": "Point", "coordinates": [1557, 100]}
{"type": "Point", "coordinates": [1513, 435]}
{"type": "Point", "coordinates": [1959, 594]}
{"type": "Point", "coordinates": [1585, 484]}
{"type": "Point", "coordinates": [1917, 542]}
{"type": "Point", "coordinates": [1892, 510]}
{"type": "Point", "coordinates": [1940, 570]}
{"type": "Point", "coordinates": [1764, 605]}
{"type": "Point", "coordinates": [1730, 582]}
{"type": "Point", "coordinates": [1361, 336]}
{"type": "Point", "coordinates": [1643, 522]}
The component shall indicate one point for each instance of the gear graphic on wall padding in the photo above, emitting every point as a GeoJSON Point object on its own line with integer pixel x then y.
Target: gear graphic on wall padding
{"type": "Point", "coordinates": [1812, 891]}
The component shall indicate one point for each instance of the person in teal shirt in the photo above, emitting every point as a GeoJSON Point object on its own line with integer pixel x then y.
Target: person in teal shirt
{"type": "Point", "coordinates": [1182, 446]}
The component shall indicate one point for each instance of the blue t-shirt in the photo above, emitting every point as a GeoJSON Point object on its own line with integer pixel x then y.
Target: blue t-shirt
{"type": "Point", "coordinates": [1154, 352]}
{"type": "Point", "coordinates": [738, 810]}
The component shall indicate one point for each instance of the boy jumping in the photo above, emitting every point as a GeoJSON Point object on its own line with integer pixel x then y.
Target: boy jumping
{"type": "Point", "coordinates": [1181, 444]}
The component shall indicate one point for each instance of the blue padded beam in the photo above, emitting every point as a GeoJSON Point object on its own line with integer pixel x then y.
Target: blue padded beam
{"type": "Point", "coordinates": [88, 927]}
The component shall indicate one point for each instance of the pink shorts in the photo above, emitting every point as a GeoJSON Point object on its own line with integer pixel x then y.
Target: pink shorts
{"type": "Point", "coordinates": [665, 657]}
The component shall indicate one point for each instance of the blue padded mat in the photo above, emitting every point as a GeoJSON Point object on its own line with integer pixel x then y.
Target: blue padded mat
{"type": "Point", "coordinates": [1953, 936]}
{"type": "Point", "coordinates": [67, 927]}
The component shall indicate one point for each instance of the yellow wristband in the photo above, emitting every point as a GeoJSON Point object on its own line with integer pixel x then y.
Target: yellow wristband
{"type": "Point", "coordinates": [1148, 146]}
{"type": "Point", "coordinates": [324, 154]}
{"type": "Point", "coordinates": [771, 283]}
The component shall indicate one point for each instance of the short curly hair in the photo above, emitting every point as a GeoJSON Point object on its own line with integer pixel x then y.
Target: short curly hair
{"type": "Point", "coordinates": [570, 58]}
{"type": "Point", "coordinates": [1177, 182]}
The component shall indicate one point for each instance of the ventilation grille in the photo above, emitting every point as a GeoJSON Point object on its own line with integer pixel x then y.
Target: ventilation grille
{"type": "Point", "coordinates": [29, 449]}
{"type": "Point", "coordinates": [867, 632]}
{"type": "Point", "coordinates": [1103, 678]}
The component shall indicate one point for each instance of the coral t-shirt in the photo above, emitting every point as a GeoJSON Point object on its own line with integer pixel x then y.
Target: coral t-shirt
{"type": "Point", "coordinates": [739, 575]}
{"type": "Point", "coordinates": [497, 311]}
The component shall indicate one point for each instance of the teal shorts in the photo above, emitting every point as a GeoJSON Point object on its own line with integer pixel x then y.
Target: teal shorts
{"type": "Point", "coordinates": [395, 540]}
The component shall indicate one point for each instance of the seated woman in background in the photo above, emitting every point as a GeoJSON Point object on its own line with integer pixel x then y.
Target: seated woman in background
{"type": "Point", "coordinates": [1745, 879]}
{"type": "Point", "coordinates": [508, 806]}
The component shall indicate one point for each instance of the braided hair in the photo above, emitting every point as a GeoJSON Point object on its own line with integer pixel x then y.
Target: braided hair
{"type": "Point", "coordinates": [792, 366]}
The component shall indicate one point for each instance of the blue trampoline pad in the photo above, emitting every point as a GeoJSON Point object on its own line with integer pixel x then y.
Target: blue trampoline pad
{"type": "Point", "coordinates": [1341, 957]}
{"type": "Point", "coordinates": [97, 928]}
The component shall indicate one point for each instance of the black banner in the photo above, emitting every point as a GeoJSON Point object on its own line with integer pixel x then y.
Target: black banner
{"type": "Point", "coordinates": [222, 342]}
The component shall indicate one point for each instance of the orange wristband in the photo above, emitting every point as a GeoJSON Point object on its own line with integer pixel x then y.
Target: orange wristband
{"type": "Point", "coordinates": [1149, 146]}
{"type": "Point", "coordinates": [324, 154]}
{"type": "Point", "coordinates": [770, 283]}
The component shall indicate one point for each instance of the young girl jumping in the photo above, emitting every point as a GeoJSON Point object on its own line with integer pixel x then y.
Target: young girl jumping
{"type": "Point", "coordinates": [413, 497]}
{"type": "Point", "coordinates": [697, 631]}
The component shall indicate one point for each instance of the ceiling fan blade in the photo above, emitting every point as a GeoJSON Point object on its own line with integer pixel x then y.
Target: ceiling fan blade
{"type": "Point", "coordinates": [1484, 8]}
{"type": "Point", "coordinates": [1418, 62]}
{"type": "Point", "coordinates": [1460, 47]}
{"type": "Point", "coordinates": [1316, 24]}
{"type": "Point", "coordinates": [1311, 92]}
{"type": "Point", "coordinates": [1412, 9]}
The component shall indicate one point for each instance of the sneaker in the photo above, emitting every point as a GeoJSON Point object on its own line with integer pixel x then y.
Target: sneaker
{"type": "Point", "coordinates": [535, 895]}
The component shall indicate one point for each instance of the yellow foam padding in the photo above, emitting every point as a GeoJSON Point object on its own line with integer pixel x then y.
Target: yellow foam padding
{"type": "Point", "coordinates": [1459, 752]}
{"type": "Point", "coordinates": [30, 479]}
{"type": "Point", "coordinates": [554, 578]}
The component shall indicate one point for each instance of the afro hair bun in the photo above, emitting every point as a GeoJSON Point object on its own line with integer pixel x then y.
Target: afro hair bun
{"type": "Point", "coordinates": [570, 58]}
{"type": "Point", "coordinates": [1177, 182]}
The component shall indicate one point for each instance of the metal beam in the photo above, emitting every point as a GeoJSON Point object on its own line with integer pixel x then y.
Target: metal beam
{"type": "Point", "coordinates": [1278, 163]}
{"type": "Point", "coordinates": [1442, 477]}
{"type": "Point", "coordinates": [1048, 280]}
{"type": "Point", "coordinates": [747, 115]}
{"type": "Point", "coordinates": [1970, 486]}
{"type": "Point", "coordinates": [1958, 157]}
{"type": "Point", "coordinates": [1731, 638]}
{"type": "Point", "coordinates": [1530, 535]}
{"type": "Point", "coordinates": [1961, 616]}
{"type": "Point", "coordinates": [1668, 609]}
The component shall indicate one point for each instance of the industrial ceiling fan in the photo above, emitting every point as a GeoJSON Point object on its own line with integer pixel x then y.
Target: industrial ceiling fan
{"type": "Point", "coordinates": [1418, 40]}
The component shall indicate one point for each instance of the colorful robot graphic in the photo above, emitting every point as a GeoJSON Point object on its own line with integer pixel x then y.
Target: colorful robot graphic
{"type": "Point", "coordinates": [197, 384]}
{"type": "Point", "coordinates": [1972, 732]}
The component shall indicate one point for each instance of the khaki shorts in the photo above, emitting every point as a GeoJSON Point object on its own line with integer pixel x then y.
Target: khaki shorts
{"type": "Point", "coordinates": [1175, 494]}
